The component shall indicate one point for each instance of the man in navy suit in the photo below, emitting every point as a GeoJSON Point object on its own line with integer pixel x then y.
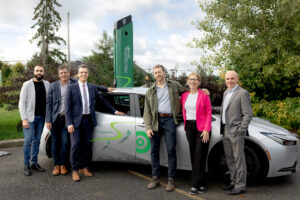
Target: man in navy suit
{"type": "Point", "coordinates": [81, 119]}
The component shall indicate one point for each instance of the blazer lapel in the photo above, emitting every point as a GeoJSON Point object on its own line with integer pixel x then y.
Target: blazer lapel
{"type": "Point", "coordinates": [57, 89]}
{"type": "Point", "coordinates": [90, 93]}
{"type": "Point", "coordinates": [198, 101]}
{"type": "Point", "coordinates": [79, 93]}
{"type": "Point", "coordinates": [233, 96]}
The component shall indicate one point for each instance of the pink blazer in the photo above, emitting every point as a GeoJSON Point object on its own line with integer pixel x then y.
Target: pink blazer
{"type": "Point", "coordinates": [203, 110]}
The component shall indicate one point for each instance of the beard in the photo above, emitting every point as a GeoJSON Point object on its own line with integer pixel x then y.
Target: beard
{"type": "Point", "coordinates": [39, 77]}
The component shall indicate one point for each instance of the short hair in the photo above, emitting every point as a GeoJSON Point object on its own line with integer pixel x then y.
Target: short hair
{"type": "Point", "coordinates": [63, 66]}
{"type": "Point", "coordinates": [194, 74]}
{"type": "Point", "coordinates": [82, 66]}
{"type": "Point", "coordinates": [159, 66]}
{"type": "Point", "coordinates": [38, 66]}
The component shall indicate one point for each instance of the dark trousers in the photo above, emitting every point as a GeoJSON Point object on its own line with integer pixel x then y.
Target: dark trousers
{"type": "Point", "coordinates": [198, 152]}
{"type": "Point", "coordinates": [60, 141]}
{"type": "Point", "coordinates": [80, 144]}
{"type": "Point", "coordinates": [168, 129]}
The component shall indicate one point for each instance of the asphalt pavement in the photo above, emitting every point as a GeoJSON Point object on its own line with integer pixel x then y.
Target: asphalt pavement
{"type": "Point", "coordinates": [122, 181]}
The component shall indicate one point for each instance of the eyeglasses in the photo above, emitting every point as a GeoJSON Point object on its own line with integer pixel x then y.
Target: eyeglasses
{"type": "Point", "coordinates": [193, 79]}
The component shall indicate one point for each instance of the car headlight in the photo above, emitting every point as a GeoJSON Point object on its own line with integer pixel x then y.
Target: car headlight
{"type": "Point", "coordinates": [280, 138]}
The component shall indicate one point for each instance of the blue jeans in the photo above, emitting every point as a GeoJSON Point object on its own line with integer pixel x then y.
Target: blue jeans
{"type": "Point", "coordinates": [60, 140]}
{"type": "Point", "coordinates": [168, 129]}
{"type": "Point", "coordinates": [32, 137]}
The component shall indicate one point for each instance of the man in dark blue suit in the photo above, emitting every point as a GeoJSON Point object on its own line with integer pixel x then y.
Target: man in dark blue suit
{"type": "Point", "coordinates": [81, 119]}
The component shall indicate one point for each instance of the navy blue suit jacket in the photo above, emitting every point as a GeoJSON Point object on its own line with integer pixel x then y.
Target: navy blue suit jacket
{"type": "Point", "coordinates": [74, 104]}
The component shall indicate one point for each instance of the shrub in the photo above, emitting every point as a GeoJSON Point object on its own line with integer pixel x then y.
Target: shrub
{"type": "Point", "coordinates": [285, 113]}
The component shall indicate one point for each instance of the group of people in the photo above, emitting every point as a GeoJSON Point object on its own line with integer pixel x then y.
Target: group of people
{"type": "Point", "coordinates": [162, 106]}
{"type": "Point", "coordinates": [68, 108]}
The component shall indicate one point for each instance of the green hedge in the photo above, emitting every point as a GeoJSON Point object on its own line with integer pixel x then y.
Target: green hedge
{"type": "Point", "coordinates": [284, 113]}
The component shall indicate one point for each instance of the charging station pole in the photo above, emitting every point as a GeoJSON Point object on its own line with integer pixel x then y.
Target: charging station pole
{"type": "Point", "coordinates": [123, 53]}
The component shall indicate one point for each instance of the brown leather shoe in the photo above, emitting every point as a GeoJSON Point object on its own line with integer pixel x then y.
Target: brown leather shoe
{"type": "Point", "coordinates": [171, 185]}
{"type": "Point", "coordinates": [85, 172]}
{"type": "Point", "coordinates": [153, 183]}
{"type": "Point", "coordinates": [56, 170]}
{"type": "Point", "coordinates": [63, 169]}
{"type": "Point", "coordinates": [75, 176]}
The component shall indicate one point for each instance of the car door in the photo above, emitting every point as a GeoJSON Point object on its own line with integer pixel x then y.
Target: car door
{"type": "Point", "coordinates": [143, 146]}
{"type": "Point", "coordinates": [114, 136]}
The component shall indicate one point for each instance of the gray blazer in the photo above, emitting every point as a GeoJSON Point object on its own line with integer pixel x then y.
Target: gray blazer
{"type": "Point", "coordinates": [54, 101]}
{"type": "Point", "coordinates": [238, 113]}
{"type": "Point", "coordinates": [27, 99]}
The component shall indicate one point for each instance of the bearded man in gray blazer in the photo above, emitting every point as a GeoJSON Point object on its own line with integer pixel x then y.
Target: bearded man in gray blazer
{"type": "Point", "coordinates": [32, 107]}
{"type": "Point", "coordinates": [236, 114]}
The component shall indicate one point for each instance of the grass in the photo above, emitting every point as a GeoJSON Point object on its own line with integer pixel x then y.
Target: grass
{"type": "Point", "coordinates": [8, 125]}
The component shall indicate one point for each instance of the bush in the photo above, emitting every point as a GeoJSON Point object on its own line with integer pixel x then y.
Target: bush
{"type": "Point", "coordinates": [285, 113]}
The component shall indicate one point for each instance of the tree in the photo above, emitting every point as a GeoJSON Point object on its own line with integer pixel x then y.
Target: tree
{"type": "Point", "coordinates": [47, 23]}
{"type": "Point", "coordinates": [101, 61]}
{"type": "Point", "coordinates": [101, 64]}
{"type": "Point", "coordinates": [1, 64]}
{"type": "Point", "coordinates": [18, 69]}
{"type": "Point", "coordinates": [258, 39]}
{"type": "Point", "coordinates": [6, 73]}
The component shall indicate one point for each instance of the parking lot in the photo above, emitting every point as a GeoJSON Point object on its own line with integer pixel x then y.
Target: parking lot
{"type": "Point", "coordinates": [122, 181]}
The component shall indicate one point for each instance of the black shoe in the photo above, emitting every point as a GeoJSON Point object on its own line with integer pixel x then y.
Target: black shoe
{"type": "Point", "coordinates": [27, 171]}
{"type": "Point", "coordinates": [236, 191]}
{"type": "Point", "coordinates": [202, 189]}
{"type": "Point", "coordinates": [228, 187]}
{"type": "Point", "coordinates": [193, 191]}
{"type": "Point", "coordinates": [37, 167]}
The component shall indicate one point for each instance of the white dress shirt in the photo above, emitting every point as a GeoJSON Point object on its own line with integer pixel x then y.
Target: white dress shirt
{"type": "Point", "coordinates": [87, 94]}
{"type": "Point", "coordinates": [228, 96]}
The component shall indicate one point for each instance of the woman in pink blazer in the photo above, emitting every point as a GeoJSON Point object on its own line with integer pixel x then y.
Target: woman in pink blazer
{"type": "Point", "coordinates": [196, 110]}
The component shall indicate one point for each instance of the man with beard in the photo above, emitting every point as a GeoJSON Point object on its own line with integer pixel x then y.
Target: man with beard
{"type": "Point", "coordinates": [32, 107]}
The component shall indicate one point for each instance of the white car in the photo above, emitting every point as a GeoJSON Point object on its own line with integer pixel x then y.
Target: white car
{"type": "Point", "coordinates": [270, 149]}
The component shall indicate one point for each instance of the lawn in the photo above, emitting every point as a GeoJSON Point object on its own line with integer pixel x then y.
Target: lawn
{"type": "Point", "coordinates": [8, 125]}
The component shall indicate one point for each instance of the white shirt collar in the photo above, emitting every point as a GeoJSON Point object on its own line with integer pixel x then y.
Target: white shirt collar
{"type": "Point", "coordinates": [233, 89]}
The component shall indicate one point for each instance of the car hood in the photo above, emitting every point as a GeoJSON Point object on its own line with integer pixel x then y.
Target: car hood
{"type": "Point", "coordinates": [262, 125]}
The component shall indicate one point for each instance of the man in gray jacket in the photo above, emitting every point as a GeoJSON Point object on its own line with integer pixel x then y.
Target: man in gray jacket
{"type": "Point", "coordinates": [236, 114]}
{"type": "Point", "coordinates": [32, 107]}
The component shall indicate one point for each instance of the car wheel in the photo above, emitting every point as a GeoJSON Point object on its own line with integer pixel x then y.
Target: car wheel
{"type": "Point", "coordinates": [253, 164]}
{"type": "Point", "coordinates": [218, 168]}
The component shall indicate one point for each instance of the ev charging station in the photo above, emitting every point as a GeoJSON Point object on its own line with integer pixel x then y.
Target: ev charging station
{"type": "Point", "coordinates": [123, 53]}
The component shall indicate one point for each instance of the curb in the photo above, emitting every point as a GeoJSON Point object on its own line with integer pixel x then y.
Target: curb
{"type": "Point", "coordinates": [11, 143]}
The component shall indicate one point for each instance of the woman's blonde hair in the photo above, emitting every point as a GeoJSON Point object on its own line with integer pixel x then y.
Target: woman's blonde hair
{"type": "Point", "coordinates": [194, 74]}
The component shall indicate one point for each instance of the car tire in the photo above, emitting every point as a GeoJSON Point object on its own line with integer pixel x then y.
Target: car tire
{"type": "Point", "coordinates": [217, 166]}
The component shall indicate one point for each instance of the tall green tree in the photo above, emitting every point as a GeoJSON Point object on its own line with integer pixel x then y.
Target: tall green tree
{"type": "Point", "coordinates": [258, 39]}
{"type": "Point", "coordinates": [47, 23]}
{"type": "Point", "coordinates": [101, 61]}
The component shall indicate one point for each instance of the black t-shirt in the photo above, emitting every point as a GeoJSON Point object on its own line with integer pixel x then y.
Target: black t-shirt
{"type": "Point", "coordinates": [40, 99]}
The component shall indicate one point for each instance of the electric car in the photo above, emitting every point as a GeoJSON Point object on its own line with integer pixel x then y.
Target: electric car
{"type": "Point", "coordinates": [270, 150]}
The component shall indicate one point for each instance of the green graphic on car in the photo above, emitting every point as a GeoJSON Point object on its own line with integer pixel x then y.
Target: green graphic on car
{"type": "Point", "coordinates": [142, 141]}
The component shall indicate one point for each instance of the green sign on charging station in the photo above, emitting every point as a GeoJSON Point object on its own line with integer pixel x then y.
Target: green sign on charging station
{"type": "Point", "coordinates": [123, 53]}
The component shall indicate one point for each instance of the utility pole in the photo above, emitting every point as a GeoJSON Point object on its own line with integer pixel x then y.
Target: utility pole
{"type": "Point", "coordinates": [43, 52]}
{"type": "Point", "coordinates": [69, 62]}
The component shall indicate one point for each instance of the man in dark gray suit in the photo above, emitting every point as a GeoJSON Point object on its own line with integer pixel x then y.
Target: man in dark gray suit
{"type": "Point", "coordinates": [55, 119]}
{"type": "Point", "coordinates": [236, 114]}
